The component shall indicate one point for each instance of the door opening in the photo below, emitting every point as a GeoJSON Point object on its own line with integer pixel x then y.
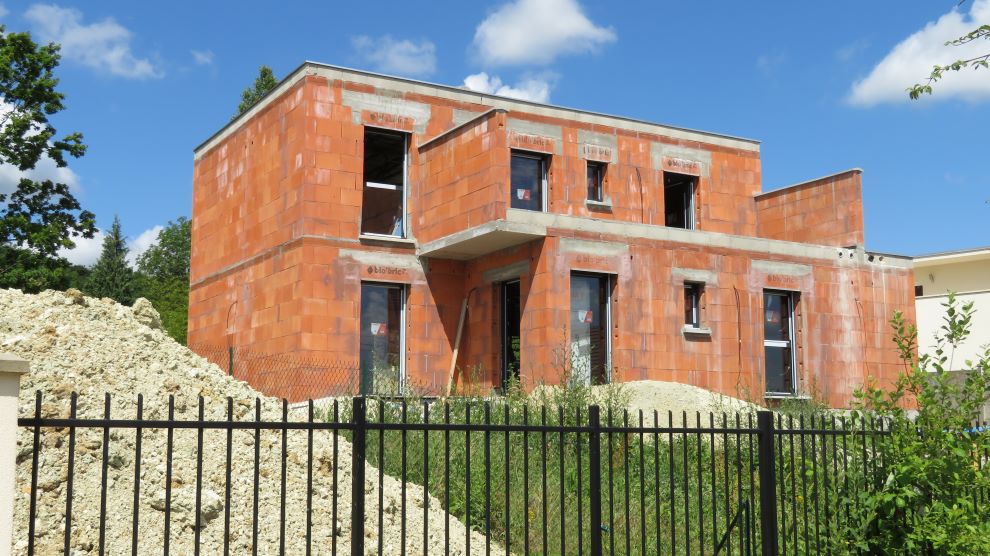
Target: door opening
{"type": "Point", "coordinates": [511, 336]}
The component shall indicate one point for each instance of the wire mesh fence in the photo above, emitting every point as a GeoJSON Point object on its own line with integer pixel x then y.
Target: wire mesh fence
{"type": "Point", "coordinates": [295, 377]}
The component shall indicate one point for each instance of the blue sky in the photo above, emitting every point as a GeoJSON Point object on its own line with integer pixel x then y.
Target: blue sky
{"type": "Point", "coordinates": [820, 84]}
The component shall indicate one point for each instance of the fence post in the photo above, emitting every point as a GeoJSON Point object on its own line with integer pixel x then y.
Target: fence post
{"type": "Point", "coordinates": [768, 484]}
{"type": "Point", "coordinates": [230, 360]}
{"type": "Point", "coordinates": [359, 419]}
{"type": "Point", "coordinates": [11, 369]}
{"type": "Point", "coordinates": [595, 480]}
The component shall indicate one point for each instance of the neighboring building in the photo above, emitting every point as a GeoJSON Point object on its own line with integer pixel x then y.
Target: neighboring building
{"type": "Point", "coordinates": [967, 274]}
{"type": "Point", "coordinates": [348, 215]}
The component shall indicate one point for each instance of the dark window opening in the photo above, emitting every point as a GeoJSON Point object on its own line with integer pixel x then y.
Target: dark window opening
{"type": "Point", "coordinates": [383, 203]}
{"type": "Point", "coordinates": [678, 200]}
{"type": "Point", "coordinates": [511, 332]}
{"type": "Point", "coordinates": [529, 175]}
{"type": "Point", "coordinates": [596, 181]}
{"type": "Point", "coordinates": [382, 339]}
{"type": "Point", "coordinates": [692, 305]}
{"type": "Point", "coordinates": [919, 290]}
{"type": "Point", "coordinates": [778, 342]}
{"type": "Point", "coordinates": [590, 321]}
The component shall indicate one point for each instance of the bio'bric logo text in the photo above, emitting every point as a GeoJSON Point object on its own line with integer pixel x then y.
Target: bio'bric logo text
{"type": "Point", "coordinates": [390, 271]}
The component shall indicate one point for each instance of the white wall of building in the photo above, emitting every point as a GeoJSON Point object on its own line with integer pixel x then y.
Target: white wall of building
{"type": "Point", "coordinates": [966, 274]}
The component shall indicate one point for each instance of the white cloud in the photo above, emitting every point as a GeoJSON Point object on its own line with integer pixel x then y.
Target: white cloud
{"type": "Point", "coordinates": [537, 32]}
{"type": "Point", "coordinates": [87, 251]}
{"type": "Point", "coordinates": [851, 50]}
{"type": "Point", "coordinates": [3, 10]}
{"type": "Point", "coordinates": [535, 89]}
{"type": "Point", "coordinates": [202, 57]}
{"type": "Point", "coordinates": [104, 45]}
{"type": "Point", "coordinates": [768, 64]}
{"type": "Point", "coordinates": [402, 57]}
{"type": "Point", "coordinates": [911, 61]}
{"type": "Point", "coordinates": [45, 169]}
{"type": "Point", "coordinates": [142, 242]}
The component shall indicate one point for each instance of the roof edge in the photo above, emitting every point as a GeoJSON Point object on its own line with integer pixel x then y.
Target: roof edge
{"type": "Point", "coordinates": [295, 74]}
{"type": "Point", "coordinates": [808, 182]}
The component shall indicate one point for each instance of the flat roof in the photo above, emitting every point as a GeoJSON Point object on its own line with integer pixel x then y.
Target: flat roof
{"type": "Point", "coordinates": [957, 256]}
{"type": "Point", "coordinates": [458, 93]}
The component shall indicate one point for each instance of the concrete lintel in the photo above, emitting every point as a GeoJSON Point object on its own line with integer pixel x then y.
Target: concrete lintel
{"type": "Point", "coordinates": [359, 101]}
{"type": "Point", "coordinates": [695, 275]}
{"type": "Point", "coordinates": [10, 363]}
{"type": "Point", "coordinates": [589, 247]}
{"type": "Point", "coordinates": [660, 150]}
{"type": "Point", "coordinates": [781, 268]}
{"type": "Point", "coordinates": [507, 272]}
{"type": "Point", "coordinates": [410, 262]}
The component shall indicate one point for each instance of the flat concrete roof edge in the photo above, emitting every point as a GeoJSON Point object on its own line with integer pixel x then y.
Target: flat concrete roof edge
{"type": "Point", "coordinates": [463, 125]}
{"type": "Point", "coordinates": [976, 254]}
{"type": "Point", "coordinates": [294, 75]}
{"type": "Point", "coordinates": [807, 182]}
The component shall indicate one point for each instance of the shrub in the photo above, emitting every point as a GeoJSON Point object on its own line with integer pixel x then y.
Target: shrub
{"type": "Point", "coordinates": [926, 495]}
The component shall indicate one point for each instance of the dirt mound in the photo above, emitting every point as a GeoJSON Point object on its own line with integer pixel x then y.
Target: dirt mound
{"type": "Point", "coordinates": [92, 346]}
{"type": "Point", "coordinates": [650, 395]}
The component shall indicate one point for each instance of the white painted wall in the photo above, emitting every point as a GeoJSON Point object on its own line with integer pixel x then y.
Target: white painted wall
{"type": "Point", "coordinates": [931, 313]}
{"type": "Point", "coordinates": [971, 282]}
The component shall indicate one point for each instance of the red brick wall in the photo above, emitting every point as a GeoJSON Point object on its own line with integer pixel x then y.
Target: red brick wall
{"type": "Point", "coordinates": [277, 260]}
{"type": "Point", "coordinates": [826, 211]}
{"type": "Point", "coordinates": [464, 179]}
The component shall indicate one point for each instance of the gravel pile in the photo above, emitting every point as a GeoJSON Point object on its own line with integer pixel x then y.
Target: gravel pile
{"type": "Point", "coordinates": [92, 346]}
{"type": "Point", "coordinates": [650, 395]}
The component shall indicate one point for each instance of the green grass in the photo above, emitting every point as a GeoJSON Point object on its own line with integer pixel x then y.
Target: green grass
{"type": "Point", "coordinates": [658, 490]}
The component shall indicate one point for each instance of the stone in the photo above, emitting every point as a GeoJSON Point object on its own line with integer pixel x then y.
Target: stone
{"type": "Point", "coordinates": [145, 313]}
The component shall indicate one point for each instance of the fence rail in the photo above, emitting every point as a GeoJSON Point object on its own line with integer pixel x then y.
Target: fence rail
{"type": "Point", "coordinates": [375, 476]}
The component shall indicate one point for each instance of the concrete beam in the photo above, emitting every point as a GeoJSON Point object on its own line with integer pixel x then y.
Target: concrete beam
{"type": "Point", "coordinates": [388, 82]}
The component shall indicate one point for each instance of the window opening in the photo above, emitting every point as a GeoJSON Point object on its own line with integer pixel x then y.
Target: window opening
{"type": "Point", "coordinates": [383, 205]}
{"type": "Point", "coordinates": [382, 339]}
{"type": "Point", "coordinates": [678, 200]}
{"type": "Point", "coordinates": [590, 322]}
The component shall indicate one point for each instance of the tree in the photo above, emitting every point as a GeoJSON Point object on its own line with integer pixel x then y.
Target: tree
{"type": "Point", "coordinates": [111, 275]}
{"type": "Point", "coordinates": [163, 276]}
{"type": "Point", "coordinates": [265, 82]}
{"type": "Point", "coordinates": [37, 216]}
{"type": "Point", "coordinates": [938, 72]}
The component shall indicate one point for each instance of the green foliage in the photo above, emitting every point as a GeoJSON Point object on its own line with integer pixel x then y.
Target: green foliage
{"type": "Point", "coordinates": [163, 276]}
{"type": "Point", "coordinates": [111, 275]}
{"type": "Point", "coordinates": [926, 493]}
{"type": "Point", "coordinates": [938, 72]}
{"type": "Point", "coordinates": [169, 256]}
{"type": "Point", "coordinates": [265, 82]}
{"type": "Point", "coordinates": [42, 216]}
{"type": "Point", "coordinates": [31, 272]}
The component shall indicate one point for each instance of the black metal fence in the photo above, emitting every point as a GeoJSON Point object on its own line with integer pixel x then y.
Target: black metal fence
{"type": "Point", "coordinates": [373, 476]}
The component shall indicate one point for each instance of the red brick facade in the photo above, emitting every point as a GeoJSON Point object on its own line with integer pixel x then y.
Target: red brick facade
{"type": "Point", "coordinates": [278, 257]}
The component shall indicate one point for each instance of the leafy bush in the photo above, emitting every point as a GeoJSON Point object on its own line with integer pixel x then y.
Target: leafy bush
{"type": "Point", "coordinates": [925, 496]}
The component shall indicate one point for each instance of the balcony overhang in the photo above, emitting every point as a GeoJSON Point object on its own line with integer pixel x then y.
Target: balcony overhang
{"type": "Point", "coordinates": [523, 226]}
{"type": "Point", "coordinates": [484, 239]}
